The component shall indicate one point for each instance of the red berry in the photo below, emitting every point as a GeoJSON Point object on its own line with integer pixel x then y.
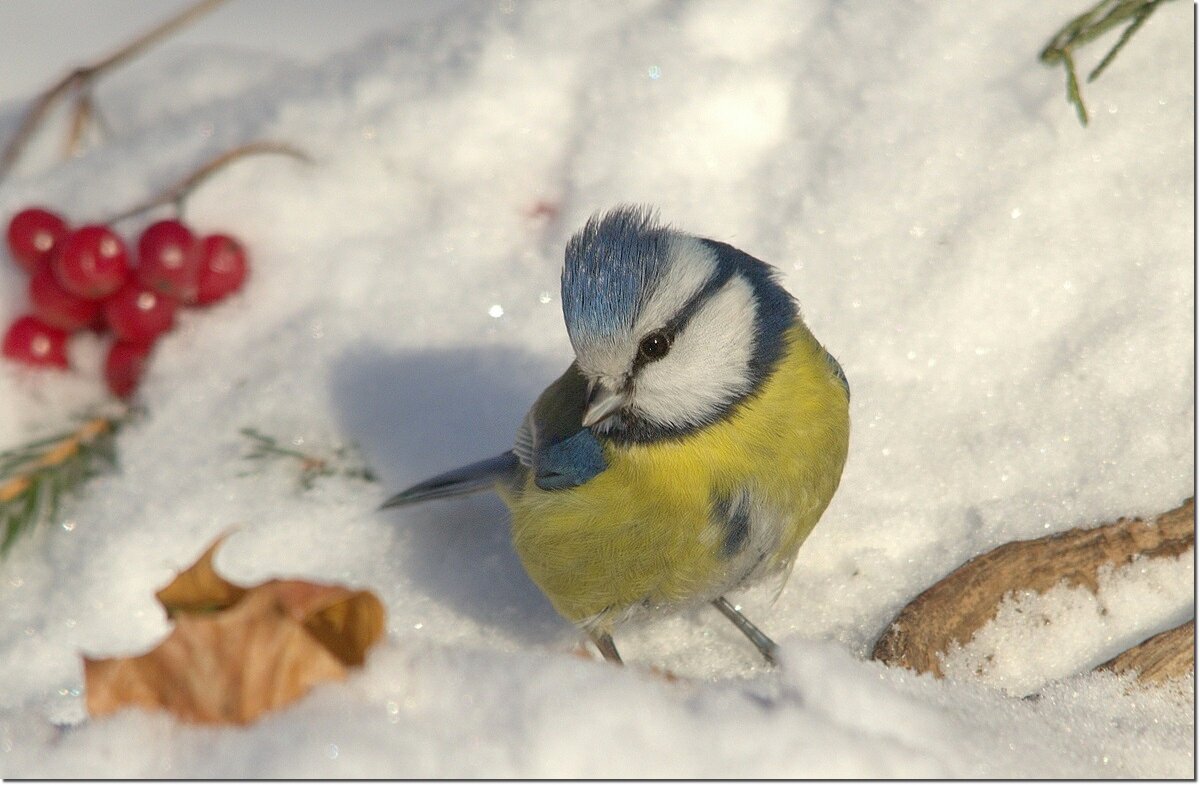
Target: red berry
{"type": "Point", "coordinates": [32, 341]}
{"type": "Point", "coordinates": [33, 236]}
{"type": "Point", "coordinates": [56, 306]}
{"type": "Point", "coordinates": [138, 314]}
{"type": "Point", "coordinates": [123, 367]}
{"type": "Point", "coordinates": [93, 263]}
{"type": "Point", "coordinates": [223, 268]}
{"type": "Point", "coordinates": [168, 260]}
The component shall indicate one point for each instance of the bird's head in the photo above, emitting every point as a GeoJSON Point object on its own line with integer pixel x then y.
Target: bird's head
{"type": "Point", "coordinates": [670, 330]}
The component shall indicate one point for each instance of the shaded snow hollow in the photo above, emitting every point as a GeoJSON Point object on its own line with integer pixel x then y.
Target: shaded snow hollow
{"type": "Point", "coordinates": [1011, 296]}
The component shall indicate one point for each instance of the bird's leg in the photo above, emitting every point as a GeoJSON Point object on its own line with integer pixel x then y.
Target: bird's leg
{"type": "Point", "coordinates": [767, 647]}
{"type": "Point", "coordinates": [604, 643]}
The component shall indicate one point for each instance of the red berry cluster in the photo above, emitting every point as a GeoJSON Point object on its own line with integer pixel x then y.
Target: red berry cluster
{"type": "Point", "coordinates": [84, 279]}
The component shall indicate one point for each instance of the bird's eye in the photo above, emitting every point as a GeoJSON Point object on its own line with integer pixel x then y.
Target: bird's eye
{"type": "Point", "coordinates": [654, 346]}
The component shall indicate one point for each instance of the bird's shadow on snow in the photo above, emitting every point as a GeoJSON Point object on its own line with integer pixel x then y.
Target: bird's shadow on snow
{"type": "Point", "coordinates": [420, 413]}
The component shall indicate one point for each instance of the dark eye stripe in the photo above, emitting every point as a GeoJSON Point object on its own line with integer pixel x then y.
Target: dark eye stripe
{"type": "Point", "coordinates": [774, 312]}
{"type": "Point", "coordinates": [720, 277]}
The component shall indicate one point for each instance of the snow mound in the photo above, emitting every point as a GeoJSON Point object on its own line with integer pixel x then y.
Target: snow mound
{"type": "Point", "coordinates": [1011, 296]}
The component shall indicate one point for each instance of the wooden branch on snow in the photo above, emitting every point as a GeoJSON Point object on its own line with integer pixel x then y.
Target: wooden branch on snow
{"type": "Point", "coordinates": [955, 607]}
{"type": "Point", "coordinates": [1160, 658]}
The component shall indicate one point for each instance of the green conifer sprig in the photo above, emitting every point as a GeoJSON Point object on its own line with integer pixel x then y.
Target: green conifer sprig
{"type": "Point", "coordinates": [1087, 27]}
{"type": "Point", "coordinates": [35, 476]}
{"type": "Point", "coordinates": [264, 446]}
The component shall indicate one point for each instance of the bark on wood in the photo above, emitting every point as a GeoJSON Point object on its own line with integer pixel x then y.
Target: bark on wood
{"type": "Point", "coordinates": [955, 607]}
{"type": "Point", "coordinates": [1166, 656]}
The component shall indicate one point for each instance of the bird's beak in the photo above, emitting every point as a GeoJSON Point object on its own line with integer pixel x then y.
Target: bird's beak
{"type": "Point", "coordinates": [602, 403]}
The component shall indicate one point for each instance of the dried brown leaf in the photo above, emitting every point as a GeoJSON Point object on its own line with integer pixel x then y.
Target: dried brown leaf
{"type": "Point", "coordinates": [199, 589]}
{"type": "Point", "coordinates": [345, 621]}
{"type": "Point", "coordinates": [236, 652]}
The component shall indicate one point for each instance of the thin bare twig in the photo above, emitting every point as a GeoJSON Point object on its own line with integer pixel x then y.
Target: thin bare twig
{"type": "Point", "coordinates": [178, 192]}
{"type": "Point", "coordinates": [79, 81]}
{"type": "Point", "coordinates": [151, 37]}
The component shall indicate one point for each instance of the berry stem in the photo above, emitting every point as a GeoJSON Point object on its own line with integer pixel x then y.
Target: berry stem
{"type": "Point", "coordinates": [79, 82]}
{"type": "Point", "coordinates": [177, 193]}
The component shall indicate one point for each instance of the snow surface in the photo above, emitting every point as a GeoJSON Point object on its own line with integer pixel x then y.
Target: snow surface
{"type": "Point", "coordinates": [1011, 296]}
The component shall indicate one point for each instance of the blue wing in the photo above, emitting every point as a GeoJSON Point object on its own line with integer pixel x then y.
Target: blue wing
{"type": "Point", "coordinates": [552, 443]}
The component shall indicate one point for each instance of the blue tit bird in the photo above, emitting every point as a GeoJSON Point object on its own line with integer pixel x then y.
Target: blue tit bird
{"type": "Point", "coordinates": [688, 450]}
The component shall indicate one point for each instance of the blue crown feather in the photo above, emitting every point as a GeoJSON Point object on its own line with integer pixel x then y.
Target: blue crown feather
{"type": "Point", "coordinates": [611, 264]}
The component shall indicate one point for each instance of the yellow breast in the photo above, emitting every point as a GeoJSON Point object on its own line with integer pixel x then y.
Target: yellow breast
{"type": "Point", "coordinates": [642, 532]}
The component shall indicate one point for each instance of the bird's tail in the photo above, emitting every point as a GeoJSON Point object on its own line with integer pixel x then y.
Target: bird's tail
{"type": "Point", "coordinates": [475, 477]}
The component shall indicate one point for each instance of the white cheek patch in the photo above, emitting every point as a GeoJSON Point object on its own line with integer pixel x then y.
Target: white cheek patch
{"type": "Point", "coordinates": [708, 364]}
{"type": "Point", "coordinates": [692, 265]}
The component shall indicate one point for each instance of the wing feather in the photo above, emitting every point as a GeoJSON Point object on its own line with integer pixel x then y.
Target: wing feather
{"type": "Point", "coordinates": [552, 440]}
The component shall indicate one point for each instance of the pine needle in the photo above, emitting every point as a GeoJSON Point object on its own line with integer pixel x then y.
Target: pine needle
{"type": "Point", "coordinates": [1089, 26]}
{"type": "Point", "coordinates": [264, 447]}
{"type": "Point", "coordinates": [35, 476]}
